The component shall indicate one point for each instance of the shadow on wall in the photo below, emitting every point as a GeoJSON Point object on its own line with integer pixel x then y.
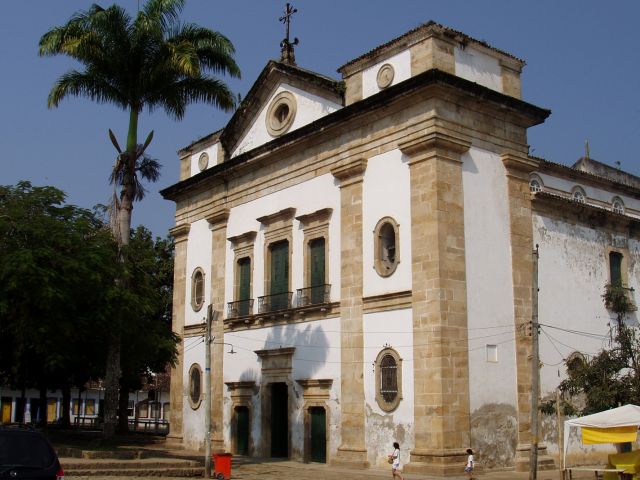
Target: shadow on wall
{"type": "Point", "coordinates": [311, 343]}
{"type": "Point", "coordinates": [494, 434]}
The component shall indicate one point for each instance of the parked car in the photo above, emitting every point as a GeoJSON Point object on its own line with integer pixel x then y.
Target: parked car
{"type": "Point", "coordinates": [26, 454]}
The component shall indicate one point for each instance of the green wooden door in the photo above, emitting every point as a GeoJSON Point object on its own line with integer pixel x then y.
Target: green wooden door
{"type": "Point", "coordinates": [279, 420]}
{"type": "Point", "coordinates": [244, 289]}
{"type": "Point", "coordinates": [279, 275]}
{"type": "Point", "coordinates": [242, 431]}
{"type": "Point", "coordinates": [317, 274]}
{"type": "Point", "coordinates": [318, 435]}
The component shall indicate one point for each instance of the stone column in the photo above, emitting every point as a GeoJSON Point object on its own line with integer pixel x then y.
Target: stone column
{"type": "Point", "coordinates": [352, 451]}
{"type": "Point", "coordinates": [518, 167]}
{"type": "Point", "coordinates": [440, 353]}
{"type": "Point", "coordinates": [218, 222]}
{"type": "Point", "coordinates": [180, 235]}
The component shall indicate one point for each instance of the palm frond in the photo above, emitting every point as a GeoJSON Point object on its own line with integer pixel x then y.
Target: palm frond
{"type": "Point", "coordinates": [86, 85]}
{"type": "Point", "coordinates": [160, 13]}
{"type": "Point", "coordinates": [149, 168]}
{"type": "Point", "coordinates": [215, 51]}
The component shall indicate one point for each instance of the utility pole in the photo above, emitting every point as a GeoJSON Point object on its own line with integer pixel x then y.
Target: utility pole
{"type": "Point", "coordinates": [207, 393]}
{"type": "Point", "coordinates": [535, 370]}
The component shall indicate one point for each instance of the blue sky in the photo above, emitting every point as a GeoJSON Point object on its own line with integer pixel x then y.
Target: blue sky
{"type": "Point", "coordinates": [582, 63]}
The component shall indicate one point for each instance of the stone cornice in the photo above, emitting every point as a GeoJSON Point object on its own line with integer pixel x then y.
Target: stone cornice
{"type": "Point", "coordinates": [283, 215]}
{"type": "Point", "coordinates": [180, 232]}
{"type": "Point", "coordinates": [323, 383]}
{"type": "Point", "coordinates": [526, 114]}
{"type": "Point", "coordinates": [217, 217]}
{"type": "Point", "coordinates": [246, 385]}
{"type": "Point", "coordinates": [351, 172]}
{"type": "Point", "coordinates": [422, 148]}
{"type": "Point", "coordinates": [275, 352]}
{"type": "Point", "coordinates": [519, 166]}
{"type": "Point", "coordinates": [320, 216]}
{"type": "Point", "coordinates": [243, 239]}
{"type": "Point", "coordinates": [545, 203]}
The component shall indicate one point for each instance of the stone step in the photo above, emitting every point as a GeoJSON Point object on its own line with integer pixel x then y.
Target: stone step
{"type": "Point", "coordinates": [138, 472]}
{"type": "Point", "coordinates": [72, 465]}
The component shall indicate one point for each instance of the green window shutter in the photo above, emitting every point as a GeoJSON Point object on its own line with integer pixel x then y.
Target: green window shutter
{"type": "Point", "coordinates": [244, 272]}
{"type": "Point", "coordinates": [615, 268]}
{"type": "Point", "coordinates": [317, 273]}
{"type": "Point", "coordinates": [316, 252]}
{"type": "Point", "coordinates": [279, 267]}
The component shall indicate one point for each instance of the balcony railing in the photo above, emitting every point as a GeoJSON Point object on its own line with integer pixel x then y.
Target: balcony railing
{"type": "Point", "coordinates": [275, 302]}
{"type": "Point", "coordinates": [240, 308]}
{"type": "Point", "coordinates": [313, 295]}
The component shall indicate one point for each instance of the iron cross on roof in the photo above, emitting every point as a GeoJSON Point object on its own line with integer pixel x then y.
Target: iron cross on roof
{"type": "Point", "coordinates": [286, 46]}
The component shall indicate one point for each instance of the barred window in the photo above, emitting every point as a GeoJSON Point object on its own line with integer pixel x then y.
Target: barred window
{"type": "Point", "coordinates": [388, 379]}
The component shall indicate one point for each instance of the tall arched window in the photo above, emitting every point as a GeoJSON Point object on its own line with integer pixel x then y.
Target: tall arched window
{"type": "Point", "coordinates": [388, 379]}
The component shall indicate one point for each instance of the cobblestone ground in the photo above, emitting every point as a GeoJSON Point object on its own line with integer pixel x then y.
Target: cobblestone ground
{"type": "Point", "coordinates": [282, 470]}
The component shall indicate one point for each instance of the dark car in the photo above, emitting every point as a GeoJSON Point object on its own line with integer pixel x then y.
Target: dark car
{"type": "Point", "coordinates": [26, 454]}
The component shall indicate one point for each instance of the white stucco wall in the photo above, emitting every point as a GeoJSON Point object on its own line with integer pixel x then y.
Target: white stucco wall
{"type": "Point", "coordinates": [599, 194]}
{"type": "Point", "coordinates": [386, 193]}
{"type": "Point", "coordinates": [309, 108]}
{"type": "Point", "coordinates": [573, 270]}
{"type": "Point", "coordinates": [193, 425]}
{"type": "Point", "coordinates": [317, 356]}
{"type": "Point", "coordinates": [489, 279]}
{"type": "Point", "coordinates": [212, 151]}
{"type": "Point", "coordinates": [198, 255]}
{"type": "Point", "coordinates": [308, 197]}
{"type": "Point", "coordinates": [395, 329]}
{"type": "Point", "coordinates": [478, 67]}
{"type": "Point", "coordinates": [401, 63]}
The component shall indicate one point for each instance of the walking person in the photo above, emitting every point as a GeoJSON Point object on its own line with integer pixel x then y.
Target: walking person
{"type": "Point", "coordinates": [469, 467]}
{"type": "Point", "coordinates": [394, 459]}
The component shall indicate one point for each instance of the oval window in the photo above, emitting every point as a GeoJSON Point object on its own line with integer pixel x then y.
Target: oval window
{"type": "Point", "coordinates": [388, 379]}
{"type": "Point", "coordinates": [195, 386]}
{"type": "Point", "coordinates": [197, 289]}
{"type": "Point", "coordinates": [386, 247]}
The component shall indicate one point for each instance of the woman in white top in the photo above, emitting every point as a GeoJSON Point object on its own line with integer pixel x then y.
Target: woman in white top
{"type": "Point", "coordinates": [470, 463]}
{"type": "Point", "coordinates": [395, 465]}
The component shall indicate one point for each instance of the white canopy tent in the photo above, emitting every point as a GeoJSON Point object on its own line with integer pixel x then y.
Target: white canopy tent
{"type": "Point", "coordinates": [616, 418]}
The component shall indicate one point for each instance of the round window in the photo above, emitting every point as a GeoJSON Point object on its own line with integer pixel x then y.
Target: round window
{"type": "Point", "coordinates": [203, 161]}
{"type": "Point", "coordinates": [385, 76]}
{"type": "Point", "coordinates": [281, 114]}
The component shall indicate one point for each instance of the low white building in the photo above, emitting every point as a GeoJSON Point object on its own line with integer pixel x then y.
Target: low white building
{"type": "Point", "coordinates": [368, 246]}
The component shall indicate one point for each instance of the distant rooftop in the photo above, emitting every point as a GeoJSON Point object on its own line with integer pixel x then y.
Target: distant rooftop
{"type": "Point", "coordinates": [589, 165]}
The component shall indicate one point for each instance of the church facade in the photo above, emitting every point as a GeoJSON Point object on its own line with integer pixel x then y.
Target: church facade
{"type": "Point", "coordinates": [366, 246]}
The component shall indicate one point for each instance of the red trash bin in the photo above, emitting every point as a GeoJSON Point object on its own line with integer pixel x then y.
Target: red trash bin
{"type": "Point", "coordinates": [222, 466]}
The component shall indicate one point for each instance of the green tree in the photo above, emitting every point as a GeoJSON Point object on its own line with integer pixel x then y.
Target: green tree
{"type": "Point", "coordinates": [55, 262]}
{"type": "Point", "coordinates": [151, 61]}
{"type": "Point", "coordinates": [150, 343]}
{"type": "Point", "coordinates": [611, 377]}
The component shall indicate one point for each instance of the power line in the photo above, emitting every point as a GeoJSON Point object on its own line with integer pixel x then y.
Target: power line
{"type": "Point", "coordinates": [377, 347]}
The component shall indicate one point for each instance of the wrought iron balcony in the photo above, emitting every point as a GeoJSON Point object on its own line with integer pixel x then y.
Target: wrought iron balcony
{"type": "Point", "coordinates": [313, 295]}
{"type": "Point", "coordinates": [275, 302]}
{"type": "Point", "coordinates": [240, 308]}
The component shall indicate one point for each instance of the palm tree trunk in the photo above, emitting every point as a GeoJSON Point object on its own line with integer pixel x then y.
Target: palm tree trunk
{"type": "Point", "coordinates": [112, 385]}
{"type": "Point", "coordinates": [112, 377]}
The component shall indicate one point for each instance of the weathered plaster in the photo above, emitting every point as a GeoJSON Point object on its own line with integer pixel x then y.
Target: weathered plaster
{"type": "Point", "coordinates": [494, 434]}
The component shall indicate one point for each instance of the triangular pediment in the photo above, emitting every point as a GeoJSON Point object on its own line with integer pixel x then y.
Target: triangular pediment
{"type": "Point", "coordinates": [283, 98]}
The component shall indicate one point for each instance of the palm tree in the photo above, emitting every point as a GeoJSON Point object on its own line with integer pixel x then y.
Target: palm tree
{"type": "Point", "coordinates": [152, 61]}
